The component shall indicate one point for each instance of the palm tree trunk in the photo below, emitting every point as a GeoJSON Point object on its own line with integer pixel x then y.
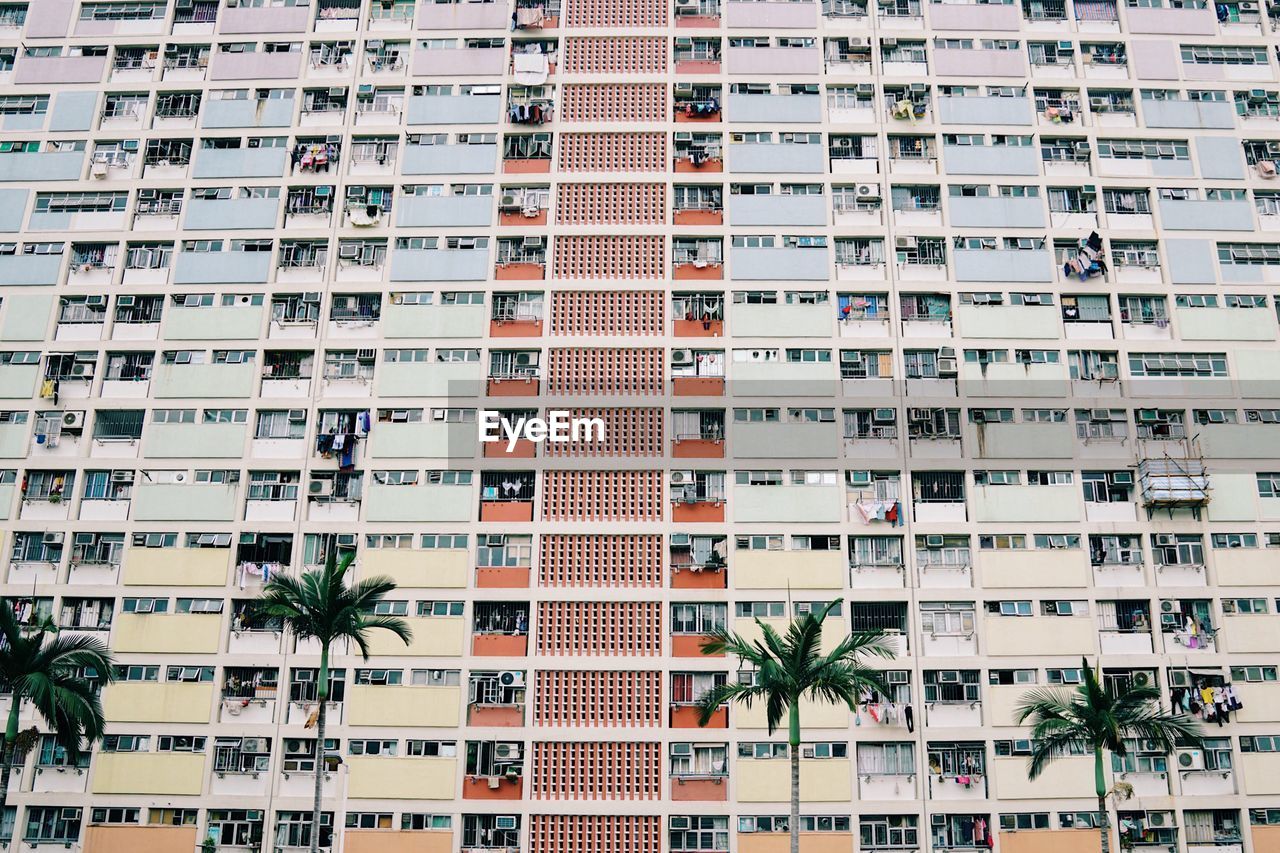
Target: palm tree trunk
{"type": "Point", "coordinates": [322, 695]}
{"type": "Point", "coordinates": [10, 740]}
{"type": "Point", "coordinates": [794, 740]}
{"type": "Point", "coordinates": [1100, 788]}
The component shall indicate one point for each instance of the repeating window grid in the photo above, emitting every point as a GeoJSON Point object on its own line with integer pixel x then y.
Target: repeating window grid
{"type": "Point", "coordinates": [601, 699]}
{"type": "Point", "coordinates": [610, 204]}
{"type": "Point", "coordinates": [605, 371]}
{"type": "Point", "coordinates": [633, 313]}
{"type": "Point", "coordinates": [612, 55]}
{"type": "Point", "coordinates": [575, 560]}
{"type": "Point", "coordinates": [602, 496]}
{"type": "Point", "coordinates": [596, 770]}
{"type": "Point", "coordinates": [627, 432]}
{"type": "Point", "coordinates": [613, 152]}
{"type": "Point", "coordinates": [602, 103]}
{"type": "Point", "coordinates": [600, 628]}
{"type": "Point", "coordinates": [571, 833]}
{"type": "Point", "coordinates": [611, 14]}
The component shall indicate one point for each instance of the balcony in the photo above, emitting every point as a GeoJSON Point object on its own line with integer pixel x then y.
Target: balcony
{"type": "Point", "coordinates": [161, 774]}
{"type": "Point", "coordinates": [255, 65]}
{"type": "Point", "coordinates": [439, 264]}
{"type": "Point", "coordinates": [1195, 115]}
{"type": "Point", "coordinates": [384, 777]}
{"type": "Point", "coordinates": [242, 20]}
{"type": "Point", "coordinates": [780, 320]}
{"type": "Point", "coordinates": [52, 70]}
{"type": "Point", "coordinates": [779, 263]}
{"type": "Point", "coordinates": [771, 62]}
{"type": "Point", "coordinates": [749, 210]}
{"type": "Point", "coordinates": [456, 159]}
{"type": "Point", "coordinates": [466, 62]}
{"type": "Point", "coordinates": [247, 113]}
{"type": "Point", "coordinates": [786, 503]}
{"type": "Point", "coordinates": [995, 212]}
{"type": "Point", "coordinates": [1191, 214]}
{"type": "Point", "coordinates": [449, 211]}
{"type": "Point", "coordinates": [983, 110]}
{"type": "Point", "coordinates": [956, 62]}
{"type": "Point", "coordinates": [771, 15]}
{"type": "Point", "coordinates": [828, 780]}
{"type": "Point", "coordinates": [776, 158]}
{"type": "Point", "coordinates": [425, 502]}
{"type": "Point", "coordinates": [774, 109]}
{"type": "Point", "coordinates": [1004, 265]}
{"type": "Point", "coordinates": [42, 166]}
{"type": "Point", "coordinates": [1002, 160]}
{"type": "Point", "coordinates": [240, 163]}
{"type": "Point", "coordinates": [785, 440]}
{"type": "Point", "coordinates": [788, 569]}
{"type": "Point", "coordinates": [463, 16]}
{"type": "Point", "coordinates": [454, 109]}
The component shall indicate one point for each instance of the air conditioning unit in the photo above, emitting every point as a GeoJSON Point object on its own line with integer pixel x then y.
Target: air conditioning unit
{"type": "Point", "coordinates": [905, 242]}
{"type": "Point", "coordinates": [1170, 607]}
{"type": "Point", "coordinates": [867, 191]}
{"type": "Point", "coordinates": [681, 540]}
{"type": "Point", "coordinates": [684, 88]}
{"type": "Point", "coordinates": [82, 369]}
{"type": "Point", "coordinates": [1148, 415]}
{"type": "Point", "coordinates": [297, 415]}
{"type": "Point", "coordinates": [682, 356]}
{"type": "Point", "coordinates": [506, 751]}
{"type": "Point", "coordinates": [866, 88]}
{"type": "Point", "coordinates": [1083, 147]}
{"type": "Point", "coordinates": [345, 540]}
{"type": "Point", "coordinates": [1100, 415]}
{"type": "Point", "coordinates": [947, 367]}
{"type": "Point", "coordinates": [295, 746]}
{"type": "Point", "coordinates": [311, 296]}
{"type": "Point", "coordinates": [366, 354]}
{"type": "Point", "coordinates": [53, 538]}
{"type": "Point", "coordinates": [1066, 47]}
{"type": "Point", "coordinates": [933, 540]}
{"type": "Point", "coordinates": [511, 678]}
{"type": "Point", "coordinates": [683, 136]}
{"type": "Point", "coordinates": [1122, 478]}
{"type": "Point", "coordinates": [255, 745]}
{"type": "Point", "coordinates": [73, 420]}
{"type": "Point", "coordinates": [884, 416]}
{"type": "Point", "coordinates": [124, 301]}
{"type": "Point", "coordinates": [1166, 539]}
{"type": "Point", "coordinates": [506, 821]}
{"type": "Point", "coordinates": [320, 488]}
{"type": "Point", "coordinates": [1160, 818]}
{"type": "Point", "coordinates": [531, 242]}
{"type": "Point", "coordinates": [681, 478]}
{"type": "Point", "coordinates": [509, 202]}
{"type": "Point", "coordinates": [96, 301]}
{"type": "Point", "coordinates": [122, 476]}
{"type": "Point", "coordinates": [1191, 759]}
{"type": "Point", "coordinates": [978, 416]}
{"type": "Point", "coordinates": [678, 821]}
{"type": "Point", "coordinates": [494, 540]}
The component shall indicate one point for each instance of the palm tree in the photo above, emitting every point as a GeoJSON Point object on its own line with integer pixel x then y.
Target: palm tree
{"type": "Point", "coordinates": [48, 670]}
{"type": "Point", "coordinates": [1095, 718]}
{"type": "Point", "coordinates": [320, 605]}
{"type": "Point", "coordinates": [790, 668]}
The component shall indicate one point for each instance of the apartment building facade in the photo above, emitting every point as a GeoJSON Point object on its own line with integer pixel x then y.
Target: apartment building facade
{"type": "Point", "coordinates": [964, 314]}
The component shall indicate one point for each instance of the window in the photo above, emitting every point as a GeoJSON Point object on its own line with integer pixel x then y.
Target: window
{"type": "Point", "coordinates": [698, 833]}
